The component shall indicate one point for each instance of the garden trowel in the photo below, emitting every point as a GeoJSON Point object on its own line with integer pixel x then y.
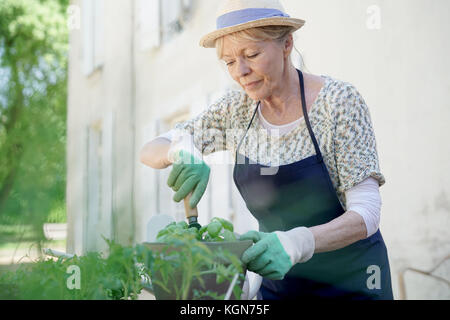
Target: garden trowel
{"type": "Point", "coordinates": [191, 214]}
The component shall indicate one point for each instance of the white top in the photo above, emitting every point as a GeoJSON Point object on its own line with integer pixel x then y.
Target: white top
{"type": "Point", "coordinates": [283, 129]}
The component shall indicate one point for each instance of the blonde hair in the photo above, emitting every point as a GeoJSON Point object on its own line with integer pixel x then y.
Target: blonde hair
{"type": "Point", "coordinates": [275, 33]}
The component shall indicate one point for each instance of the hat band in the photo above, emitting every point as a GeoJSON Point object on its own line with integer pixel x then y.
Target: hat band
{"type": "Point", "coordinates": [246, 15]}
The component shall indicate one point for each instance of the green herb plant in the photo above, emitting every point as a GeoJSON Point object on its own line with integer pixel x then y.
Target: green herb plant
{"type": "Point", "coordinates": [187, 252]}
{"type": "Point", "coordinates": [113, 278]}
{"type": "Point", "coordinates": [186, 260]}
{"type": "Point", "coordinates": [217, 230]}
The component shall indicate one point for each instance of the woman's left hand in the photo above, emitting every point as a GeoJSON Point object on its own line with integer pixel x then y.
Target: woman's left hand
{"type": "Point", "coordinates": [274, 254]}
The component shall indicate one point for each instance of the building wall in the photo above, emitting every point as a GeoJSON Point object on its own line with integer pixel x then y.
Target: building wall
{"type": "Point", "coordinates": [393, 52]}
{"type": "Point", "coordinates": [103, 102]}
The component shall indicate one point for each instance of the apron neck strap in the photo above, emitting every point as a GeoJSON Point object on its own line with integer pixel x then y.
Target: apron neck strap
{"type": "Point", "coordinates": [251, 121]}
{"type": "Point", "coordinates": [305, 114]}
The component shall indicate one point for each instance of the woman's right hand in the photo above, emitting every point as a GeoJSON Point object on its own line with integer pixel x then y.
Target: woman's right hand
{"type": "Point", "coordinates": [189, 173]}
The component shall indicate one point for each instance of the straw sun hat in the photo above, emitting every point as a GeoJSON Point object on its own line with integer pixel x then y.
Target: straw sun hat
{"type": "Point", "coordinates": [238, 15]}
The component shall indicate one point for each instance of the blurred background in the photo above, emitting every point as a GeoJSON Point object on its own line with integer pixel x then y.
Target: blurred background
{"type": "Point", "coordinates": [84, 84]}
{"type": "Point", "coordinates": [33, 124]}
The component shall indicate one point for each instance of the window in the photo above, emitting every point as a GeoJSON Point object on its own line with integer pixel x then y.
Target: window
{"type": "Point", "coordinates": [92, 15]}
{"type": "Point", "coordinates": [161, 20]}
{"type": "Point", "coordinates": [94, 186]}
{"type": "Point", "coordinates": [98, 218]}
{"type": "Point", "coordinates": [174, 15]}
{"type": "Point", "coordinates": [149, 23]}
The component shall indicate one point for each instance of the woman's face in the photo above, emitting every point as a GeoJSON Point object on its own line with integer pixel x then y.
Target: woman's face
{"type": "Point", "coordinates": [257, 66]}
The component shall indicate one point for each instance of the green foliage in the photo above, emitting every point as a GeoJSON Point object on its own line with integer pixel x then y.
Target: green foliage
{"type": "Point", "coordinates": [33, 94]}
{"type": "Point", "coordinates": [116, 277]}
{"type": "Point", "coordinates": [186, 260]}
{"type": "Point", "coordinates": [217, 230]}
{"type": "Point", "coordinates": [120, 275]}
{"type": "Point", "coordinates": [57, 213]}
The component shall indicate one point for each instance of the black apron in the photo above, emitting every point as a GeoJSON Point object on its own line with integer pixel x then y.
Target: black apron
{"type": "Point", "coordinates": [302, 194]}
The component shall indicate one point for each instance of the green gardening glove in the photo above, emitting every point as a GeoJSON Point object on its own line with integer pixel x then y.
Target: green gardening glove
{"type": "Point", "coordinates": [274, 254]}
{"type": "Point", "coordinates": [267, 256]}
{"type": "Point", "coordinates": [189, 174]}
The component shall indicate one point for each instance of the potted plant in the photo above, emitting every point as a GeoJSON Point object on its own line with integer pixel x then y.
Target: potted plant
{"type": "Point", "coordinates": [197, 264]}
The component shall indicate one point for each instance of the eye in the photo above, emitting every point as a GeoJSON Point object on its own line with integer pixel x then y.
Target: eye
{"type": "Point", "coordinates": [229, 64]}
{"type": "Point", "coordinates": [253, 56]}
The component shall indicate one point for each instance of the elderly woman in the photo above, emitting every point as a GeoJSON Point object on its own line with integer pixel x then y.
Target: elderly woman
{"type": "Point", "coordinates": [315, 195]}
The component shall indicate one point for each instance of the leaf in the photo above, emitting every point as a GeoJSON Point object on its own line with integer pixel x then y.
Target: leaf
{"type": "Point", "coordinates": [228, 235]}
{"type": "Point", "coordinates": [214, 229]}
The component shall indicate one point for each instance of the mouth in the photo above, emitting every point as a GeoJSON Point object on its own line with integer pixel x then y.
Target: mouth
{"type": "Point", "coordinates": [251, 84]}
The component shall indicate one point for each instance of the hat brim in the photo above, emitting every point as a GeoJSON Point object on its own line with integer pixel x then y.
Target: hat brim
{"type": "Point", "coordinates": [209, 40]}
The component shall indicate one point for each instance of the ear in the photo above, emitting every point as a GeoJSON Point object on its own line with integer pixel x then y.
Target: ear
{"type": "Point", "coordinates": [288, 45]}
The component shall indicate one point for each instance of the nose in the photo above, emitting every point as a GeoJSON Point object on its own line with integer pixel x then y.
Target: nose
{"type": "Point", "coordinates": [242, 69]}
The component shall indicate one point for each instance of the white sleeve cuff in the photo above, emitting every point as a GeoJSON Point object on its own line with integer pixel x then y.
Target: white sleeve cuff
{"type": "Point", "coordinates": [167, 135]}
{"type": "Point", "coordinates": [365, 200]}
{"type": "Point", "coordinates": [180, 140]}
{"type": "Point", "coordinates": [299, 244]}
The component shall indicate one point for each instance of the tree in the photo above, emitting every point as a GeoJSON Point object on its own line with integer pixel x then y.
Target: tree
{"type": "Point", "coordinates": [33, 103]}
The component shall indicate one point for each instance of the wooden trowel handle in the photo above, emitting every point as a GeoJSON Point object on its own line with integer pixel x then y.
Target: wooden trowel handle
{"type": "Point", "coordinates": [189, 211]}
